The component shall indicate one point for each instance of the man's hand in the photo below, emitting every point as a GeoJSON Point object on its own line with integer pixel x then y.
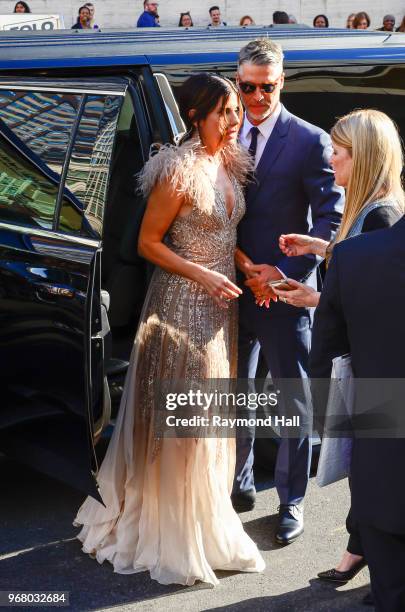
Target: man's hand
{"type": "Point", "coordinates": [261, 275]}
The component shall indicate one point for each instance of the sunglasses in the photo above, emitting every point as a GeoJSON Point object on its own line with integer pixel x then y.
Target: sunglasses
{"type": "Point", "coordinates": [249, 88]}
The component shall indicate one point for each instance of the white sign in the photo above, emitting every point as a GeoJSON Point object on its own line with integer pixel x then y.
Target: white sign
{"type": "Point", "coordinates": [29, 22]}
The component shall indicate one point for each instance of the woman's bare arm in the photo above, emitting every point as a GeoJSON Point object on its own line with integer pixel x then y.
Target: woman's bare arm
{"type": "Point", "coordinates": [294, 245]}
{"type": "Point", "coordinates": [164, 205]}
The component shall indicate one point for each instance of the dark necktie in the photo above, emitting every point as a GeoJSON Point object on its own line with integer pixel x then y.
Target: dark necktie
{"type": "Point", "coordinates": [254, 131]}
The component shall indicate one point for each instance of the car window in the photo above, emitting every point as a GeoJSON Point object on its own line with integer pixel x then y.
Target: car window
{"type": "Point", "coordinates": [321, 95]}
{"type": "Point", "coordinates": [35, 130]}
{"type": "Point", "coordinates": [89, 165]}
{"type": "Point", "coordinates": [41, 120]}
{"type": "Point", "coordinates": [26, 196]}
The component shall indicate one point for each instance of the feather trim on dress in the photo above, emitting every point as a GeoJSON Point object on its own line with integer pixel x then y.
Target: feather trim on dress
{"type": "Point", "coordinates": [185, 168]}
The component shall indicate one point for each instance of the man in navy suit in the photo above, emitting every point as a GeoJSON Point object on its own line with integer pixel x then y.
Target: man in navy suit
{"type": "Point", "coordinates": [293, 192]}
{"type": "Point", "coordinates": [361, 312]}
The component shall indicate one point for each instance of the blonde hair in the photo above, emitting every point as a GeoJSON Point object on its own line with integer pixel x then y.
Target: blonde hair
{"type": "Point", "coordinates": [373, 143]}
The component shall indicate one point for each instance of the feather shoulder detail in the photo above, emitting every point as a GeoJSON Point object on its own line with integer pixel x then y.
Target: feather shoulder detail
{"type": "Point", "coordinates": [184, 167]}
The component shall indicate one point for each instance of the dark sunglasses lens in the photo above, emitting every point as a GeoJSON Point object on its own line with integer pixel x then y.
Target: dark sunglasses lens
{"type": "Point", "coordinates": [268, 87]}
{"type": "Point", "coordinates": [247, 88]}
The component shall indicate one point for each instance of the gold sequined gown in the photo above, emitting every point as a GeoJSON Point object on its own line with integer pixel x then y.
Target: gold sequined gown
{"type": "Point", "coordinates": [168, 507]}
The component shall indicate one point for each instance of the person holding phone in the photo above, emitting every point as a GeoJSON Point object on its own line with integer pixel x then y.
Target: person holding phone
{"type": "Point", "coordinates": [367, 161]}
{"type": "Point", "coordinates": [372, 201]}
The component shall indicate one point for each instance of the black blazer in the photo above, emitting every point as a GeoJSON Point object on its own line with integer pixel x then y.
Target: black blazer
{"type": "Point", "coordinates": [362, 312]}
{"type": "Point", "coordinates": [385, 216]}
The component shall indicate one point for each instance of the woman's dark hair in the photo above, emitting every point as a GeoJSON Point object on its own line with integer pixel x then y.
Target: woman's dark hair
{"type": "Point", "coordinates": [280, 17]}
{"type": "Point", "coordinates": [359, 17]}
{"type": "Point", "coordinates": [202, 92]}
{"type": "Point", "coordinates": [181, 19]}
{"type": "Point", "coordinates": [324, 17]}
{"type": "Point", "coordinates": [24, 4]}
{"type": "Point", "coordinates": [83, 7]}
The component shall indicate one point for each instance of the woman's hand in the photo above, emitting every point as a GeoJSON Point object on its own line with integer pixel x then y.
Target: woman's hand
{"type": "Point", "coordinates": [219, 287]}
{"type": "Point", "coordinates": [300, 295]}
{"type": "Point", "coordinates": [293, 245]}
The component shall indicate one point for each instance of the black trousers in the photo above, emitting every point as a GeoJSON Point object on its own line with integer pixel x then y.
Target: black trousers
{"type": "Point", "coordinates": [385, 554]}
{"type": "Point", "coordinates": [354, 545]}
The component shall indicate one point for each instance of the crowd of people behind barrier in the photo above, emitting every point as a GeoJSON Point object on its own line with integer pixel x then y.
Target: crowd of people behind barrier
{"type": "Point", "coordinates": [357, 21]}
{"type": "Point", "coordinates": [150, 18]}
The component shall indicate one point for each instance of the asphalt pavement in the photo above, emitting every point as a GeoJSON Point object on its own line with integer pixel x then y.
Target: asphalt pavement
{"type": "Point", "coordinates": [39, 552]}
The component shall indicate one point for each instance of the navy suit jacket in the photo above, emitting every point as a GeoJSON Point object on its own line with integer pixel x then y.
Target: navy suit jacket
{"type": "Point", "coordinates": [294, 192]}
{"type": "Point", "coordinates": [361, 312]}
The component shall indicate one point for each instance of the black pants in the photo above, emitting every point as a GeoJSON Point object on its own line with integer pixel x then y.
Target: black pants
{"type": "Point", "coordinates": [354, 545]}
{"type": "Point", "coordinates": [385, 554]}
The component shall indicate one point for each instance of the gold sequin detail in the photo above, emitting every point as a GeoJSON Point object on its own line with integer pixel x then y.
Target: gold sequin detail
{"type": "Point", "coordinates": [183, 334]}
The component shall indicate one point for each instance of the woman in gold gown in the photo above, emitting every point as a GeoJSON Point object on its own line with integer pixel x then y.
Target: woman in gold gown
{"type": "Point", "coordinates": [167, 499]}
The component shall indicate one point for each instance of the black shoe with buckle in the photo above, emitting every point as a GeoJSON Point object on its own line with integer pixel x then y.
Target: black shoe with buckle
{"type": "Point", "coordinates": [290, 523]}
{"type": "Point", "coordinates": [244, 500]}
{"type": "Point", "coordinates": [334, 575]}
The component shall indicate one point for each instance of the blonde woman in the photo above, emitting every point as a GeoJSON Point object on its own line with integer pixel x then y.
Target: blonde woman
{"type": "Point", "coordinates": [367, 161]}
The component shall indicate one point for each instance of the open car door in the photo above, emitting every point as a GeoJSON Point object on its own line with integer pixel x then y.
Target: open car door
{"type": "Point", "coordinates": [56, 142]}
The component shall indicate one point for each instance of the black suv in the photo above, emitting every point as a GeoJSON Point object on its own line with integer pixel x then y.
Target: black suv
{"type": "Point", "coordinates": [78, 114]}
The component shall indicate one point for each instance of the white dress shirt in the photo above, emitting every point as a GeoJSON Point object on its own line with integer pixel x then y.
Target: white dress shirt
{"type": "Point", "coordinates": [265, 129]}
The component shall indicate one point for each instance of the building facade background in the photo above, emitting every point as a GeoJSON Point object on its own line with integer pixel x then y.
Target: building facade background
{"type": "Point", "coordinates": [120, 13]}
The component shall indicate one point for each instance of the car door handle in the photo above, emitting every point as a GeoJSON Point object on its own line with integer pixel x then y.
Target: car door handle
{"type": "Point", "coordinates": [48, 291]}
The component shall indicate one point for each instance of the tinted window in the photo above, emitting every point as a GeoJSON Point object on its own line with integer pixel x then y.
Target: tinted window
{"type": "Point", "coordinates": [27, 195]}
{"type": "Point", "coordinates": [35, 130]}
{"type": "Point", "coordinates": [322, 94]}
{"type": "Point", "coordinates": [89, 165]}
{"type": "Point", "coordinates": [43, 121]}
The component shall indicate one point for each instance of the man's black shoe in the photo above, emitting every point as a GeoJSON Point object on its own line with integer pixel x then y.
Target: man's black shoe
{"type": "Point", "coordinates": [244, 501]}
{"type": "Point", "coordinates": [334, 575]}
{"type": "Point", "coordinates": [368, 599]}
{"type": "Point", "coordinates": [290, 523]}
